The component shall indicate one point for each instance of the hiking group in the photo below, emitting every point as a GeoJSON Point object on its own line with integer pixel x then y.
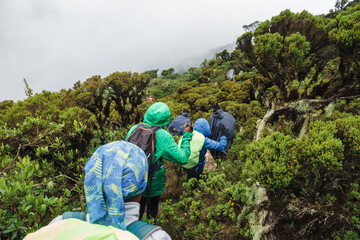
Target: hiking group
{"type": "Point", "coordinates": [123, 178]}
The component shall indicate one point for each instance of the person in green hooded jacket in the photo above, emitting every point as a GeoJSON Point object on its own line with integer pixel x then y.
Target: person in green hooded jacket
{"type": "Point", "coordinates": [166, 148]}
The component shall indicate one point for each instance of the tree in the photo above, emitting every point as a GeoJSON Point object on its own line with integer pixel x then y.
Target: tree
{"type": "Point", "coordinates": [127, 91]}
{"type": "Point", "coordinates": [341, 4]}
{"type": "Point", "coordinates": [152, 73]}
{"type": "Point", "coordinates": [251, 27]}
{"type": "Point", "coordinates": [204, 63]}
{"type": "Point", "coordinates": [224, 55]}
{"type": "Point", "coordinates": [193, 73]}
{"type": "Point", "coordinates": [6, 104]}
{"type": "Point", "coordinates": [28, 90]}
{"type": "Point", "coordinates": [167, 72]}
{"type": "Point", "coordinates": [344, 34]}
{"type": "Point", "coordinates": [93, 95]}
{"type": "Point", "coordinates": [287, 48]}
{"type": "Point", "coordinates": [122, 92]}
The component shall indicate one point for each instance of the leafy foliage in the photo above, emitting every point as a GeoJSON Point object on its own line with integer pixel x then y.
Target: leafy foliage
{"type": "Point", "coordinates": [215, 220]}
{"type": "Point", "coordinates": [41, 168]}
{"type": "Point", "coordinates": [272, 161]}
{"type": "Point", "coordinates": [321, 148]}
{"type": "Point", "coordinates": [152, 73]}
{"type": "Point", "coordinates": [344, 33]}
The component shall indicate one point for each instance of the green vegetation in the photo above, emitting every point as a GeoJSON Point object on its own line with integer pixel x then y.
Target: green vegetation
{"type": "Point", "coordinates": [293, 168]}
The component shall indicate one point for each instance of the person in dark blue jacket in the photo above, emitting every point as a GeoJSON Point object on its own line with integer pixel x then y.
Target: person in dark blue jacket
{"type": "Point", "coordinates": [221, 123]}
{"type": "Point", "coordinates": [202, 126]}
{"type": "Point", "coordinates": [177, 126]}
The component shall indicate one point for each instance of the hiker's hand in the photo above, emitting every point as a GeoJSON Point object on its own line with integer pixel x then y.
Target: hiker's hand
{"type": "Point", "coordinates": [187, 136]}
{"type": "Point", "coordinates": [188, 128]}
{"type": "Point", "coordinates": [223, 139]}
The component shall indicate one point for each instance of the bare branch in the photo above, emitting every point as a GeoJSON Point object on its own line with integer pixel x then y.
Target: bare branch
{"type": "Point", "coordinates": [61, 175]}
{"type": "Point", "coordinates": [269, 114]}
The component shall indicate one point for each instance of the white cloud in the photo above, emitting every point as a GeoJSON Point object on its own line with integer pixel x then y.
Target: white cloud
{"type": "Point", "coordinates": [55, 43]}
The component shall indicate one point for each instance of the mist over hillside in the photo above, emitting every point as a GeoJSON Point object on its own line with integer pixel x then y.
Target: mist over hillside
{"type": "Point", "coordinates": [196, 60]}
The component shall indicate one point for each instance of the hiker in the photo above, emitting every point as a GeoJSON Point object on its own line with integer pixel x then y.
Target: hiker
{"type": "Point", "coordinates": [199, 144]}
{"type": "Point", "coordinates": [177, 126]}
{"type": "Point", "coordinates": [149, 99]}
{"type": "Point", "coordinates": [158, 116]}
{"type": "Point", "coordinates": [115, 175]}
{"type": "Point", "coordinates": [222, 123]}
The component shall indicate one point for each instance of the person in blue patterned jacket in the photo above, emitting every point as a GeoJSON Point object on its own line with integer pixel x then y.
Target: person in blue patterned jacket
{"type": "Point", "coordinates": [115, 178]}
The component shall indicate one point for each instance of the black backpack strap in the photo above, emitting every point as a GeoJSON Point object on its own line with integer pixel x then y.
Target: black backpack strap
{"type": "Point", "coordinates": [141, 229]}
{"type": "Point", "coordinates": [153, 166]}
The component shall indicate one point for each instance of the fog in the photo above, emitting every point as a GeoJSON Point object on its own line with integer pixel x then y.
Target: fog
{"type": "Point", "coordinates": [53, 44]}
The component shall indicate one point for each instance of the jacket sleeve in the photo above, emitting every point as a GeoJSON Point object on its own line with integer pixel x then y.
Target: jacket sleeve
{"type": "Point", "coordinates": [213, 145]}
{"type": "Point", "coordinates": [172, 152]}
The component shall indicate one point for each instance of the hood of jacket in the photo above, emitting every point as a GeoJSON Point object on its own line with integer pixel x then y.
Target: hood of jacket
{"type": "Point", "coordinates": [219, 113]}
{"type": "Point", "coordinates": [202, 126]}
{"type": "Point", "coordinates": [158, 114]}
{"type": "Point", "coordinates": [186, 115]}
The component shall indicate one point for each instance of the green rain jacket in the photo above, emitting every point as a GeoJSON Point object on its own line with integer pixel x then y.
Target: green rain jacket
{"type": "Point", "coordinates": [159, 114]}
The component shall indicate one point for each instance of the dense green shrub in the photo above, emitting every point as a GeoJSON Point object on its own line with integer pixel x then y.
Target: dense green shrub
{"type": "Point", "coordinates": [45, 105]}
{"type": "Point", "coordinates": [353, 206]}
{"type": "Point", "coordinates": [159, 87]}
{"type": "Point", "coordinates": [205, 210]}
{"type": "Point", "coordinates": [235, 91]}
{"type": "Point", "coordinates": [349, 132]}
{"type": "Point", "coordinates": [246, 116]}
{"type": "Point", "coordinates": [271, 161]}
{"type": "Point", "coordinates": [42, 173]}
{"type": "Point", "coordinates": [321, 148]}
{"type": "Point", "coordinates": [28, 201]}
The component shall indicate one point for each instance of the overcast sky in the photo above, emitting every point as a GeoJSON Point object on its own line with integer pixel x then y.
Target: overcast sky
{"type": "Point", "coordinates": [54, 43]}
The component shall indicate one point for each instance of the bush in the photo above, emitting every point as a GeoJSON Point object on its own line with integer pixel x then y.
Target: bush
{"type": "Point", "coordinates": [29, 196]}
{"type": "Point", "coordinates": [246, 116]}
{"type": "Point", "coordinates": [42, 172]}
{"type": "Point", "coordinates": [43, 105]}
{"type": "Point", "coordinates": [321, 148]}
{"type": "Point", "coordinates": [349, 132]}
{"type": "Point", "coordinates": [271, 161]}
{"type": "Point", "coordinates": [203, 212]}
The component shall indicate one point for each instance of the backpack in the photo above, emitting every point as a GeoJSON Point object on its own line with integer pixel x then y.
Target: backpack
{"type": "Point", "coordinates": [140, 229]}
{"type": "Point", "coordinates": [144, 137]}
{"type": "Point", "coordinates": [222, 124]}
